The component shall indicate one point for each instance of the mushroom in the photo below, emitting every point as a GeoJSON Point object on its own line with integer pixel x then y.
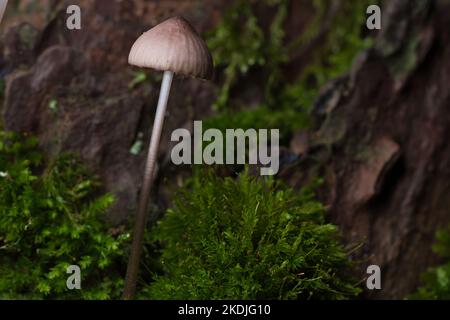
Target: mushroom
{"type": "Point", "coordinates": [3, 4]}
{"type": "Point", "coordinates": [175, 48]}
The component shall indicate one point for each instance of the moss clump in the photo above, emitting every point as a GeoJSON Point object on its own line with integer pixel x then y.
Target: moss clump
{"type": "Point", "coordinates": [50, 220]}
{"type": "Point", "coordinates": [248, 239]}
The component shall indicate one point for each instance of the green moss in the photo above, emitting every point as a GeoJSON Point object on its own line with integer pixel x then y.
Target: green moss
{"type": "Point", "coordinates": [50, 219]}
{"type": "Point", "coordinates": [343, 41]}
{"type": "Point", "coordinates": [260, 118]}
{"type": "Point", "coordinates": [436, 281]}
{"type": "Point", "coordinates": [248, 238]}
{"type": "Point", "coordinates": [238, 45]}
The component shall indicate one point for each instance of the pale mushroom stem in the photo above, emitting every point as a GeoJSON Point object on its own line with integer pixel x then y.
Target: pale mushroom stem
{"type": "Point", "coordinates": [3, 4]}
{"type": "Point", "coordinates": [139, 227]}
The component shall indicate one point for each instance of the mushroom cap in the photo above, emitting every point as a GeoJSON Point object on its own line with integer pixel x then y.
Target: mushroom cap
{"type": "Point", "coordinates": [173, 45]}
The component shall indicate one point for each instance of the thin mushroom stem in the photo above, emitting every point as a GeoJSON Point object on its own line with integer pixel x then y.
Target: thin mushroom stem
{"type": "Point", "coordinates": [3, 5]}
{"type": "Point", "coordinates": [141, 218]}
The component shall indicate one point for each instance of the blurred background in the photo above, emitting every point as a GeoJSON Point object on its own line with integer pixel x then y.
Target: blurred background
{"type": "Point", "coordinates": [366, 111]}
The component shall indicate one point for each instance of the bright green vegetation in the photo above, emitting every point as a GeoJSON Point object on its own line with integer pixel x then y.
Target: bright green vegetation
{"type": "Point", "coordinates": [248, 238]}
{"type": "Point", "coordinates": [50, 220]}
{"type": "Point", "coordinates": [436, 282]}
{"type": "Point", "coordinates": [224, 238]}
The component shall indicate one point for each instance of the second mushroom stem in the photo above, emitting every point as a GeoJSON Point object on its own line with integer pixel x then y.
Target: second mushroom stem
{"type": "Point", "coordinates": [141, 218]}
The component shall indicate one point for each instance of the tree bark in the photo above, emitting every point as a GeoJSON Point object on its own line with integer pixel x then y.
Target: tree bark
{"type": "Point", "coordinates": [382, 144]}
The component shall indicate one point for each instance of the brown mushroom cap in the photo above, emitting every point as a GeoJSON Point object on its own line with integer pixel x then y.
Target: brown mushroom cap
{"type": "Point", "coordinates": [173, 45]}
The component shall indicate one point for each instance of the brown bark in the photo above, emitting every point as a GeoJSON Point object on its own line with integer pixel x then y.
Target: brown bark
{"type": "Point", "coordinates": [382, 145]}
